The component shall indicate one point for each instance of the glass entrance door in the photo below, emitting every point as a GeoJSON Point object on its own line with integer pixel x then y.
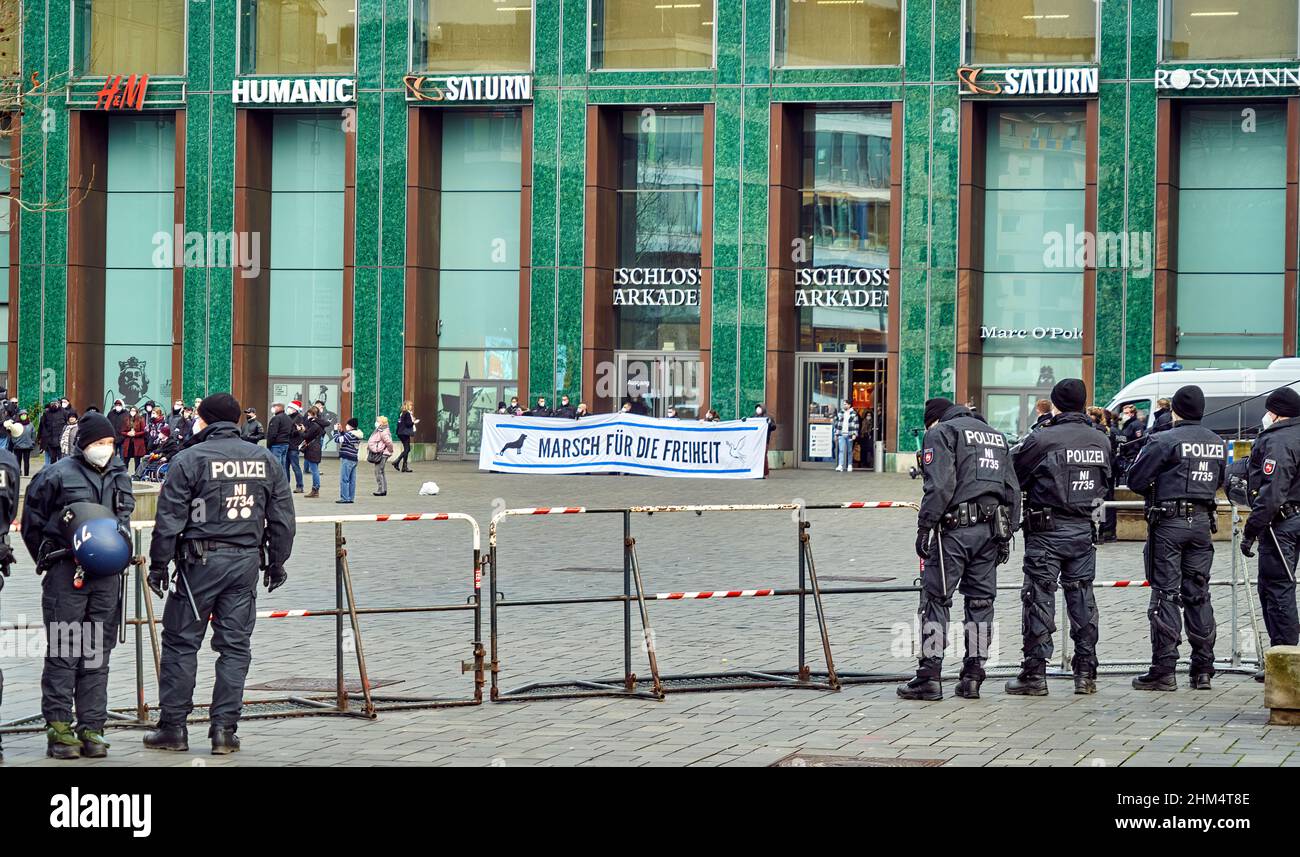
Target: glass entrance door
{"type": "Point", "coordinates": [476, 399]}
{"type": "Point", "coordinates": [823, 385]}
{"type": "Point", "coordinates": [660, 380]}
{"type": "Point", "coordinates": [1011, 411]}
{"type": "Point", "coordinates": [307, 391]}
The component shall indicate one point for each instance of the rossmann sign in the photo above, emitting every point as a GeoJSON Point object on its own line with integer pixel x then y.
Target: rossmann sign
{"type": "Point", "coordinates": [1073, 80]}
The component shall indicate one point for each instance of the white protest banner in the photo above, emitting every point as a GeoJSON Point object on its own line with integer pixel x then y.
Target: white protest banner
{"type": "Point", "coordinates": [624, 443]}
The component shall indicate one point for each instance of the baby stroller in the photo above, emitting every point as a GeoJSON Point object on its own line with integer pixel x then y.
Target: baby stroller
{"type": "Point", "coordinates": [153, 468]}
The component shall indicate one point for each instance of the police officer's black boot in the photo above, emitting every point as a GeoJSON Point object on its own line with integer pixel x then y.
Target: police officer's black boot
{"type": "Point", "coordinates": [175, 738]}
{"type": "Point", "coordinates": [1085, 682]}
{"type": "Point", "coordinates": [968, 684]}
{"type": "Point", "coordinates": [1032, 680]}
{"type": "Point", "coordinates": [1152, 680]}
{"type": "Point", "coordinates": [1201, 681]}
{"type": "Point", "coordinates": [93, 745]}
{"type": "Point", "coordinates": [61, 742]}
{"type": "Point", "coordinates": [923, 688]}
{"type": "Point", "coordinates": [224, 740]}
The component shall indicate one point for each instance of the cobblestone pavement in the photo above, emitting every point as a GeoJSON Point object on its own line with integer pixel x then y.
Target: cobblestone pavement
{"type": "Point", "coordinates": [409, 564]}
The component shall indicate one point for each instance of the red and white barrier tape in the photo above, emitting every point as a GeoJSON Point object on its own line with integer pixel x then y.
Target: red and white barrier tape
{"type": "Point", "coordinates": [733, 593]}
{"type": "Point", "coordinates": [551, 510]}
{"type": "Point", "coordinates": [287, 614]}
{"type": "Point", "coordinates": [872, 504]}
{"type": "Point", "coordinates": [1120, 583]}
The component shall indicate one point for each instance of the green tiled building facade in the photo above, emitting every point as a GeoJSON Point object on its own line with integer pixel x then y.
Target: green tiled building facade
{"type": "Point", "coordinates": [1121, 325]}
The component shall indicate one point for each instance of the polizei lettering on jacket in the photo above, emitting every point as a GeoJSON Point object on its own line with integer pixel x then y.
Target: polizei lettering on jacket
{"type": "Point", "coordinates": [1085, 456]}
{"type": "Point", "coordinates": [238, 469]}
{"type": "Point", "coordinates": [1202, 450]}
{"type": "Point", "coordinates": [985, 438]}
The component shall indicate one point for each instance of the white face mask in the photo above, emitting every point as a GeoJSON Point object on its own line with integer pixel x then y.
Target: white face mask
{"type": "Point", "coordinates": [99, 455]}
{"type": "Point", "coordinates": [378, 426]}
{"type": "Point", "coordinates": [1268, 420]}
{"type": "Point", "coordinates": [117, 408]}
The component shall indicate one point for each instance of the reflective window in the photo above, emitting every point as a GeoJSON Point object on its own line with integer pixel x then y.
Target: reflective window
{"type": "Point", "coordinates": [651, 34]}
{"type": "Point", "coordinates": [472, 35]}
{"type": "Point", "coordinates": [1034, 201]}
{"type": "Point", "coordinates": [858, 33]}
{"type": "Point", "coordinates": [1230, 29]}
{"type": "Point", "coordinates": [845, 223]}
{"type": "Point", "coordinates": [1231, 251]}
{"type": "Point", "coordinates": [137, 289]}
{"type": "Point", "coordinates": [661, 220]}
{"type": "Point", "coordinates": [1031, 31]}
{"type": "Point", "coordinates": [129, 37]}
{"type": "Point", "coordinates": [10, 28]}
{"type": "Point", "coordinates": [306, 265]}
{"type": "Point", "coordinates": [293, 37]}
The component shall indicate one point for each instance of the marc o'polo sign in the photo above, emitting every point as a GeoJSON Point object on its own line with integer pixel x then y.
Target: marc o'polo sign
{"type": "Point", "coordinates": [1031, 333]}
{"type": "Point", "coordinates": [656, 287]}
{"type": "Point", "coordinates": [842, 287]}
{"type": "Point", "coordinates": [478, 89]}
{"type": "Point", "coordinates": [1179, 79]}
{"type": "Point", "coordinates": [1027, 81]}
{"type": "Point", "coordinates": [262, 90]}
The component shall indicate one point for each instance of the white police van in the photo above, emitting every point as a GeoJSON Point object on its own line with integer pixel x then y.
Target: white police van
{"type": "Point", "coordinates": [1234, 398]}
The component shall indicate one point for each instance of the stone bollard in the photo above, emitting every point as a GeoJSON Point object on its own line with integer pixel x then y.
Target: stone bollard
{"type": "Point", "coordinates": [1282, 685]}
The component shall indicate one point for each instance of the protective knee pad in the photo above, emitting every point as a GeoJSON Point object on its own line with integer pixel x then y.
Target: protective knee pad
{"type": "Point", "coordinates": [979, 603]}
{"type": "Point", "coordinates": [1076, 585]}
{"type": "Point", "coordinates": [1034, 587]}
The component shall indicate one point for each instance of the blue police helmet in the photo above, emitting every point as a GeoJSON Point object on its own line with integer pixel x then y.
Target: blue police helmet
{"type": "Point", "coordinates": [97, 544]}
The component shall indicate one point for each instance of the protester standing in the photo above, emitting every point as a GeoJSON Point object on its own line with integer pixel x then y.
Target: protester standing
{"type": "Point", "coordinates": [279, 434]}
{"type": "Point", "coordinates": [134, 438]}
{"type": "Point", "coordinates": [313, 434]}
{"type": "Point", "coordinates": [348, 438]}
{"type": "Point", "coordinates": [24, 442]}
{"type": "Point", "coordinates": [116, 417]}
{"type": "Point", "coordinates": [378, 448]}
{"type": "Point", "coordinates": [406, 424]}
{"type": "Point", "coordinates": [844, 433]}
{"type": "Point", "coordinates": [252, 430]}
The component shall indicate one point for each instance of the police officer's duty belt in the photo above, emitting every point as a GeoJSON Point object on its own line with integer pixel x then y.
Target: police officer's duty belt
{"type": "Point", "coordinates": [969, 515]}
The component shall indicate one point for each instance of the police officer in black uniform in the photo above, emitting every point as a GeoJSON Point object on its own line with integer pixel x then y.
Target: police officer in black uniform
{"type": "Point", "coordinates": [1065, 471]}
{"type": "Point", "coordinates": [8, 510]}
{"type": "Point", "coordinates": [1179, 472]}
{"type": "Point", "coordinates": [77, 673]}
{"type": "Point", "coordinates": [225, 513]}
{"type": "Point", "coordinates": [1274, 489]}
{"type": "Point", "coordinates": [971, 503]}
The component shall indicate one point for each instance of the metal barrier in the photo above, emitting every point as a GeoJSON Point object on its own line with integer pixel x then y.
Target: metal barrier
{"type": "Point", "coordinates": [340, 702]}
{"type": "Point", "coordinates": [634, 591]}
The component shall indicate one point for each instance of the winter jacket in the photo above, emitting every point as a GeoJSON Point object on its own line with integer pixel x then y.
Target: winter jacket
{"type": "Point", "coordinates": [280, 431]}
{"type": "Point", "coordinates": [252, 431]}
{"type": "Point", "coordinates": [311, 440]}
{"type": "Point", "coordinates": [69, 439]}
{"type": "Point", "coordinates": [348, 442]}
{"type": "Point", "coordinates": [134, 446]}
{"type": "Point", "coordinates": [380, 441]}
{"type": "Point", "coordinates": [26, 440]}
{"type": "Point", "coordinates": [406, 425]}
{"type": "Point", "coordinates": [855, 425]}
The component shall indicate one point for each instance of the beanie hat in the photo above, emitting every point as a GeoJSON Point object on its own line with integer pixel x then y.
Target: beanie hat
{"type": "Point", "coordinates": [935, 408]}
{"type": "Point", "coordinates": [1189, 402]}
{"type": "Point", "coordinates": [1069, 395]}
{"type": "Point", "coordinates": [352, 423]}
{"type": "Point", "coordinates": [219, 408]}
{"type": "Point", "coordinates": [93, 427]}
{"type": "Point", "coordinates": [1284, 402]}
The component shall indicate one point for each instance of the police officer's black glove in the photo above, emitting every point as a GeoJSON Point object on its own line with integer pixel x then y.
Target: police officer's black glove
{"type": "Point", "coordinates": [158, 580]}
{"type": "Point", "coordinates": [1248, 547]}
{"type": "Point", "coordinates": [923, 543]}
{"type": "Point", "coordinates": [275, 577]}
{"type": "Point", "coordinates": [1004, 552]}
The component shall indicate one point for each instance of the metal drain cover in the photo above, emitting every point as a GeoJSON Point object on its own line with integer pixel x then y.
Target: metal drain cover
{"type": "Point", "coordinates": [803, 760]}
{"type": "Point", "coordinates": [319, 685]}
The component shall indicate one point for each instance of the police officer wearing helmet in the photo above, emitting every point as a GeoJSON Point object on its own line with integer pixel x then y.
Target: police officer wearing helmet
{"type": "Point", "coordinates": [1274, 489]}
{"type": "Point", "coordinates": [1065, 471]}
{"type": "Point", "coordinates": [224, 514]}
{"type": "Point", "coordinates": [968, 513]}
{"type": "Point", "coordinates": [81, 600]}
{"type": "Point", "coordinates": [1179, 472]}
{"type": "Point", "coordinates": [8, 509]}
